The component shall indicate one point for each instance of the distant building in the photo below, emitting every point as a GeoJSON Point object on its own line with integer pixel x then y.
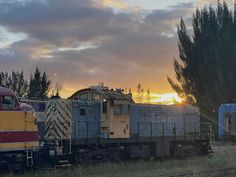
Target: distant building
{"type": "Point", "coordinates": [114, 109]}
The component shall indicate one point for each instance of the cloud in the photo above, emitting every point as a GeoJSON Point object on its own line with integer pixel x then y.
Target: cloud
{"type": "Point", "coordinates": [85, 42]}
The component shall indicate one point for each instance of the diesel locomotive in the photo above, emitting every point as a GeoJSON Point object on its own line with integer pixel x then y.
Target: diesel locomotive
{"type": "Point", "coordinates": [18, 133]}
{"type": "Point", "coordinates": [104, 124]}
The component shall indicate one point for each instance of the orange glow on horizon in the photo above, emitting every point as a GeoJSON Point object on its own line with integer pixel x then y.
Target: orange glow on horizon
{"type": "Point", "coordinates": [166, 98]}
{"type": "Point", "coordinates": [155, 98]}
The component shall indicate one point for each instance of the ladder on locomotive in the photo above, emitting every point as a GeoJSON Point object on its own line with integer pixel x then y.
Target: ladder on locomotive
{"type": "Point", "coordinates": [29, 158]}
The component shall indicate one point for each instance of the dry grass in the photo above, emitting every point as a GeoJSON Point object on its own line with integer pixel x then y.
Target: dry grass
{"type": "Point", "coordinates": [224, 157]}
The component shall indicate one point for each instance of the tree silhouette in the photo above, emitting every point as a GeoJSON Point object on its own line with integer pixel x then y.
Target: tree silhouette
{"type": "Point", "coordinates": [15, 81]}
{"type": "Point", "coordinates": [39, 85]}
{"type": "Point", "coordinates": [139, 94]}
{"type": "Point", "coordinates": [206, 72]}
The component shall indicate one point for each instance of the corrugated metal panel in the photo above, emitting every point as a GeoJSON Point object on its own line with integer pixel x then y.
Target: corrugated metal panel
{"type": "Point", "coordinates": [226, 110]}
{"type": "Point", "coordinates": [162, 120]}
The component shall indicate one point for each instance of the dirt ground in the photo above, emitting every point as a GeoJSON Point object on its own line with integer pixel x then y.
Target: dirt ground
{"type": "Point", "coordinates": [224, 156]}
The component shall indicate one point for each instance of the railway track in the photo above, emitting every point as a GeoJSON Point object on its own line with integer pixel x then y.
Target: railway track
{"type": "Point", "coordinates": [227, 172]}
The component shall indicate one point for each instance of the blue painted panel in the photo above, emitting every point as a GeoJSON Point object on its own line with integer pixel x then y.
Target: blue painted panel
{"type": "Point", "coordinates": [223, 109]}
{"type": "Point", "coordinates": [86, 120]}
{"type": "Point", "coordinates": [162, 120]}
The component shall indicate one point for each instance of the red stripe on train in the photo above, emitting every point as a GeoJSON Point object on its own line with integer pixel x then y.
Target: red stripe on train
{"type": "Point", "coordinates": [18, 136]}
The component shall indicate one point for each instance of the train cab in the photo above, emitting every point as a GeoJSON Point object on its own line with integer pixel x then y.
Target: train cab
{"type": "Point", "coordinates": [8, 101]}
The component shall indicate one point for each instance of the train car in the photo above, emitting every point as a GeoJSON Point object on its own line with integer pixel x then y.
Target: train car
{"type": "Point", "coordinates": [154, 130]}
{"type": "Point", "coordinates": [227, 122]}
{"type": "Point", "coordinates": [18, 133]}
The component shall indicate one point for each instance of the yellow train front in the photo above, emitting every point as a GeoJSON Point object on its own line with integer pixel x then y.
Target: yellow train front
{"type": "Point", "coordinates": [18, 134]}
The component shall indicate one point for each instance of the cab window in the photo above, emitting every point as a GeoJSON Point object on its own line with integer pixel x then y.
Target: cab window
{"type": "Point", "coordinates": [120, 109]}
{"type": "Point", "coordinates": [8, 103]}
{"type": "Point", "coordinates": [95, 96]}
{"type": "Point", "coordinates": [83, 96]}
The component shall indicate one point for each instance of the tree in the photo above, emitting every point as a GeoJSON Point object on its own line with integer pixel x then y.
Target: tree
{"type": "Point", "coordinates": [148, 97]}
{"type": "Point", "coordinates": [206, 70]}
{"type": "Point", "coordinates": [139, 94]}
{"type": "Point", "coordinates": [15, 81]}
{"type": "Point", "coordinates": [39, 85]}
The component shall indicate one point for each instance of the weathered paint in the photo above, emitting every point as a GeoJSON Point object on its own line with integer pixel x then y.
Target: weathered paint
{"type": "Point", "coordinates": [164, 121]}
{"type": "Point", "coordinates": [85, 120]}
{"type": "Point", "coordinates": [58, 120]}
{"type": "Point", "coordinates": [111, 125]}
{"type": "Point", "coordinates": [17, 129]}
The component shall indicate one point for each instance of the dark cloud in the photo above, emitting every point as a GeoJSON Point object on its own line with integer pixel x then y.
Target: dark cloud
{"type": "Point", "coordinates": [129, 49]}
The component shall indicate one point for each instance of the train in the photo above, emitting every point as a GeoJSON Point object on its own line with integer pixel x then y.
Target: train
{"type": "Point", "coordinates": [95, 125]}
{"type": "Point", "coordinates": [18, 133]}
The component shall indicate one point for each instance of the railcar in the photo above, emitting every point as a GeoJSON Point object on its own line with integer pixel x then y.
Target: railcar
{"type": "Point", "coordinates": [227, 122]}
{"type": "Point", "coordinates": [18, 133]}
{"type": "Point", "coordinates": [152, 130]}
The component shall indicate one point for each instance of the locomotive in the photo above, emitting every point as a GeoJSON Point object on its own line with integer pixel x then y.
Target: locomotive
{"type": "Point", "coordinates": [96, 125]}
{"type": "Point", "coordinates": [18, 133]}
{"type": "Point", "coordinates": [101, 124]}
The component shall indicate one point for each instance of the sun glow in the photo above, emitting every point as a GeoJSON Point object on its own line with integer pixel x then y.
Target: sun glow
{"type": "Point", "coordinates": [153, 98]}
{"type": "Point", "coordinates": [165, 98]}
{"type": "Point", "coordinates": [158, 98]}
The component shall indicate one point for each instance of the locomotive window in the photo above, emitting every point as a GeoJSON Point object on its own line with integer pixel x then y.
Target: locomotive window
{"type": "Point", "coordinates": [82, 112]}
{"type": "Point", "coordinates": [83, 96]}
{"type": "Point", "coordinates": [8, 102]}
{"type": "Point", "coordinates": [120, 109]}
{"type": "Point", "coordinates": [95, 96]}
{"type": "Point", "coordinates": [104, 107]}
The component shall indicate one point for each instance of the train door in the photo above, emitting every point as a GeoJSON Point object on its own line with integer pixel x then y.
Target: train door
{"type": "Point", "coordinates": [119, 120]}
{"type": "Point", "coordinates": [228, 124]}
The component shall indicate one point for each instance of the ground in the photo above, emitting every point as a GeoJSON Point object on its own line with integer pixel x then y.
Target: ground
{"type": "Point", "coordinates": [224, 156]}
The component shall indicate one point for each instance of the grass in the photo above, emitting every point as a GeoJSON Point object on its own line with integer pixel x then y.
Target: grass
{"type": "Point", "coordinates": [224, 157]}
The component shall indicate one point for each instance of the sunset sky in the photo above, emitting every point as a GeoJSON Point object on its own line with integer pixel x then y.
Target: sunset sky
{"type": "Point", "coordinates": [80, 43]}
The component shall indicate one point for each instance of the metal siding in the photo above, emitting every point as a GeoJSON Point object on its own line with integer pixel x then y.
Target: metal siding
{"type": "Point", "coordinates": [21, 129]}
{"type": "Point", "coordinates": [85, 126]}
{"type": "Point", "coordinates": [162, 120]}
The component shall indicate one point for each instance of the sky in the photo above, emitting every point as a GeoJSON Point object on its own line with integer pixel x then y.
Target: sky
{"type": "Point", "coordinates": [80, 43]}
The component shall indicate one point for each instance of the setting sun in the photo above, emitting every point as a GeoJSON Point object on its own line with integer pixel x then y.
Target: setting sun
{"type": "Point", "coordinates": [165, 98]}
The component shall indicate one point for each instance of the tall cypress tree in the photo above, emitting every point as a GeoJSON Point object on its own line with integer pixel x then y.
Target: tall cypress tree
{"type": "Point", "coordinates": [206, 71]}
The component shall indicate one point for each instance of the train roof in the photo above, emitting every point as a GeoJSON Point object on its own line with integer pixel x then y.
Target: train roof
{"type": "Point", "coordinates": [107, 93]}
{"type": "Point", "coordinates": [6, 91]}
